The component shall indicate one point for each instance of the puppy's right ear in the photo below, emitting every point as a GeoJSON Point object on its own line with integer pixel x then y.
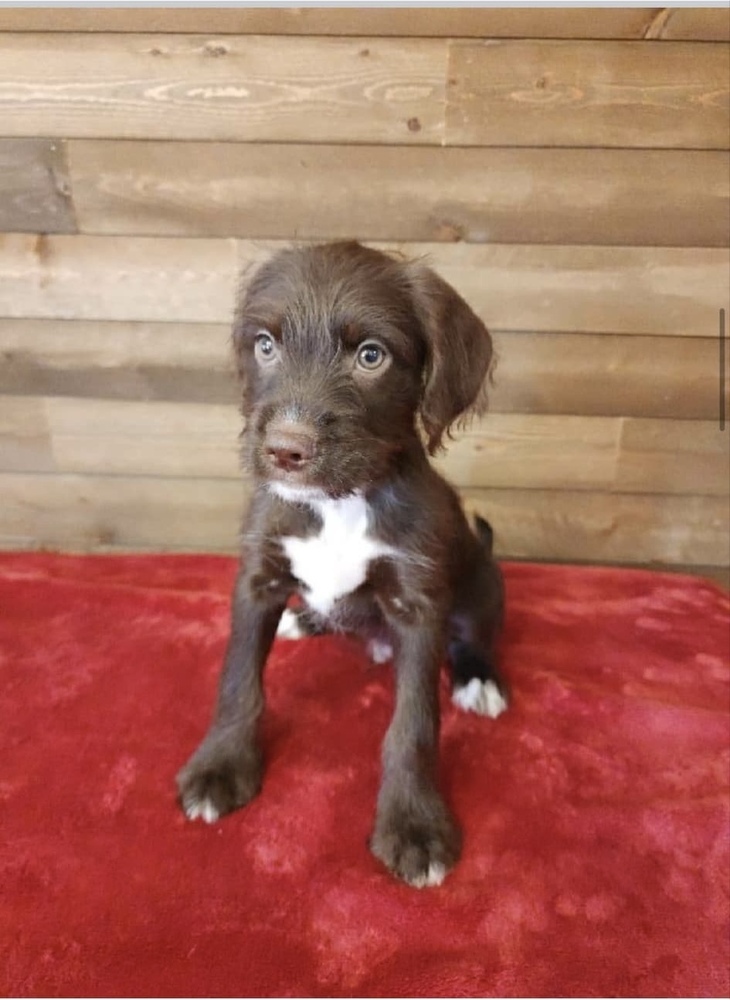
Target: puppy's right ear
{"type": "Point", "coordinates": [458, 356]}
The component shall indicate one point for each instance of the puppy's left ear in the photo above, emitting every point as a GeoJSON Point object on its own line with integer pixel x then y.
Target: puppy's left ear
{"type": "Point", "coordinates": [458, 356]}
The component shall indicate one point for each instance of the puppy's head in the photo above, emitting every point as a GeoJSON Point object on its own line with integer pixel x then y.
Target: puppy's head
{"type": "Point", "coordinates": [341, 351]}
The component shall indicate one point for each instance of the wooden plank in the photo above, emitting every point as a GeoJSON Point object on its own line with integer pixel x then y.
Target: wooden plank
{"type": "Point", "coordinates": [674, 457]}
{"type": "Point", "coordinates": [605, 375]}
{"type": "Point", "coordinates": [637, 290]}
{"type": "Point", "coordinates": [592, 289]}
{"type": "Point", "coordinates": [701, 24]}
{"type": "Point", "coordinates": [623, 197]}
{"type": "Point", "coordinates": [505, 451]}
{"type": "Point", "coordinates": [631, 94]}
{"type": "Point", "coordinates": [534, 452]}
{"type": "Point", "coordinates": [595, 527]}
{"type": "Point", "coordinates": [72, 277]}
{"type": "Point", "coordinates": [600, 454]}
{"type": "Point", "coordinates": [135, 361]}
{"type": "Point", "coordinates": [102, 513]}
{"type": "Point", "coordinates": [254, 88]}
{"type": "Point", "coordinates": [35, 194]}
{"type": "Point", "coordinates": [25, 440]}
{"type": "Point", "coordinates": [144, 439]}
{"type": "Point", "coordinates": [590, 374]}
{"type": "Point", "coordinates": [434, 21]}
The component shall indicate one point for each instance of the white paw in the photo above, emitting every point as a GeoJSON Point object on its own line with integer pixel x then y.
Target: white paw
{"type": "Point", "coordinates": [202, 809]}
{"type": "Point", "coordinates": [434, 876]}
{"type": "Point", "coordinates": [379, 651]}
{"type": "Point", "coordinates": [482, 697]}
{"type": "Point", "coordinates": [289, 627]}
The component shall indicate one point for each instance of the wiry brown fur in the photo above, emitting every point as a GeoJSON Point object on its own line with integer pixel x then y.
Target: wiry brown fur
{"type": "Point", "coordinates": [315, 421]}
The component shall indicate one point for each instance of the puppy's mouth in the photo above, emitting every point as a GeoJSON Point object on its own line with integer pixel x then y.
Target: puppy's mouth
{"type": "Point", "coordinates": [298, 494]}
{"type": "Point", "coordinates": [313, 481]}
{"type": "Point", "coordinates": [303, 458]}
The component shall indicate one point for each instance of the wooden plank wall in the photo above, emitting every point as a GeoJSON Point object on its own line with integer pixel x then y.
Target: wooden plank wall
{"type": "Point", "coordinates": [566, 169]}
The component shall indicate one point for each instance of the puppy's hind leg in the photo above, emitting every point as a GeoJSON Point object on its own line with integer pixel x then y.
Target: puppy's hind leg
{"type": "Point", "coordinates": [478, 687]}
{"type": "Point", "coordinates": [475, 625]}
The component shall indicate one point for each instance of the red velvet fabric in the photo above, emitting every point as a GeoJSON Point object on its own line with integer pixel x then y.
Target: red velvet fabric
{"type": "Point", "coordinates": [595, 812]}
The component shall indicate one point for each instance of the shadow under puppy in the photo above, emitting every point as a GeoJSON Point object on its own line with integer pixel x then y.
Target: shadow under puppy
{"type": "Point", "coordinates": [348, 358]}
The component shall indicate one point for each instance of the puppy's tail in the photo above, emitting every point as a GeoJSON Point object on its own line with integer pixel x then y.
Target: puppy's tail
{"type": "Point", "coordinates": [484, 534]}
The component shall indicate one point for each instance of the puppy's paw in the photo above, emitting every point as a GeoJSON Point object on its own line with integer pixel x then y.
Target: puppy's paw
{"type": "Point", "coordinates": [291, 625]}
{"type": "Point", "coordinates": [482, 697]}
{"type": "Point", "coordinates": [379, 650]}
{"type": "Point", "coordinates": [418, 849]}
{"type": "Point", "coordinates": [218, 779]}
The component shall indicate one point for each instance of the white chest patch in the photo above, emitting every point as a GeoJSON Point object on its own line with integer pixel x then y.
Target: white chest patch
{"type": "Point", "coordinates": [335, 562]}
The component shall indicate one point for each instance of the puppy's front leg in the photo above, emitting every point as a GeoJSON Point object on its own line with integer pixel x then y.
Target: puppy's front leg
{"type": "Point", "coordinates": [224, 773]}
{"type": "Point", "coordinates": [415, 835]}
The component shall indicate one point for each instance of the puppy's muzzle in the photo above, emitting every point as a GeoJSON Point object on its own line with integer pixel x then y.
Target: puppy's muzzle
{"type": "Point", "coordinates": [289, 446]}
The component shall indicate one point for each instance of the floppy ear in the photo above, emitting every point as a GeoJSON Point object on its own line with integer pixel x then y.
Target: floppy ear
{"type": "Point", "coordinates": [458, 356]}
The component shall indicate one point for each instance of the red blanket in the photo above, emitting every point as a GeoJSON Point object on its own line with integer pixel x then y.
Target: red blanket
{"type": "Point", "coordinates": [595, 812]}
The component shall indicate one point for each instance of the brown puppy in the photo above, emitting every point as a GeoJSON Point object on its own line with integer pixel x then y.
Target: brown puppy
{"type": "Point", "coordinates": [347, 358]}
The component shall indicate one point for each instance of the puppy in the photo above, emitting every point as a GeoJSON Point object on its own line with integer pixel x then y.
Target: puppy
{"type": "Point", "coordinates": [349, 361]}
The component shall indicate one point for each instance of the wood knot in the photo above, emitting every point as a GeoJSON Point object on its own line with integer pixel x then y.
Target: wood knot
{"type": "Point", "coordinates": [414, 125]}
{"type": "Point", "coordinates": [449, 232]}
{"type": "Point", "coordinates": [42, 249]}
{"type": "Point", "coordinates": [215, 49]}
{"type": "Point", "coordinates": [106, 535]}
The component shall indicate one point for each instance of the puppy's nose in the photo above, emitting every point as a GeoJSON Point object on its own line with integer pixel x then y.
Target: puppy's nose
{"type": "Point", "coordinates": [290, 447]}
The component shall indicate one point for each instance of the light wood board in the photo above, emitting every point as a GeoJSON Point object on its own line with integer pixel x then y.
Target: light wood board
{"type": "Point", "coordinates": [633, 290]}
{"type": "Point", "coordinates": [523, 451]}
{"type": "Point", "coordinates": [35, 193]}
{"type": "Point", "coordinates": [591, 374]}
{"type": "Point", "coordinates": [290, 190]}
{"type": "Point", "coordinates": [698, 23]}
{"type": "Point", "coordinates": [560, 93]}
{"type": "Point", "coordinates": [103, 513]}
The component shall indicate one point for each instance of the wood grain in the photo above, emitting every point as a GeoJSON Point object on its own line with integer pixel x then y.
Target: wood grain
{"type": "Point", "coordinates": [144, 439]}
{"type": "Point", "coordinates": [673, 457]}
{"type": "Point", "coordinates": [633, 290]}
{"type": "Point", "coordinates": [35, 194]}
{"type": "Point", "coordinates": [593, 289]}
{"type": "Point", "coordinates": [630, 94]}
{"type": "Point", "coordinates": [279, 191]}
{"type": "Point", "coordinates": [701, 24]}
{"type": "Point", "coordinates": [107, 513]}
{"type": "Point", "coordinates": [569, 526]}
{"type": "Point", "coordinates": [103, 513]}
{"type": "Point", "coordinates": [137, 361]}
{"type": "Point", "coordinates": [605, 375]}
{"type": "Point", "coordinates": [465, 22]}
{"type": "Point", "coordinates": [25, 439]}
{"type": "Point", "coordinates": [72, 277]}
{"type": "Point", "coordinates": [591, 374]}
{"type": "Point", "coordinates": [234, 88]}
{"type": "Point", "coordinates": [598, 454]}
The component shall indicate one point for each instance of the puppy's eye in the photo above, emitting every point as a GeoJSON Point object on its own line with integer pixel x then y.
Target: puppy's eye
{"type": "Point", "coordinates": [371, 356]}
{"type": "Point", "coordinates": [266, 349]}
